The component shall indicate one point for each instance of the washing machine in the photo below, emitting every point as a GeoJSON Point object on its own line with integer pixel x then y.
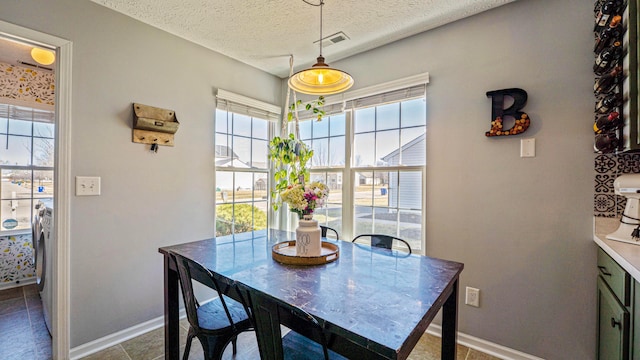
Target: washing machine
{"type": "Point", "coordinates": [43, 245]}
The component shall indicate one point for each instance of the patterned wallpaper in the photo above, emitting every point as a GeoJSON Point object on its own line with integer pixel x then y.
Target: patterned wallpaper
{"type": "Point", "coordinates": [25, 84]}
{"type": "Point", "coordinates": [22, 84]}
{"type": "Point", "coordinates": [607, 168]}
{"type": "Point", "coordinates": [16, 261]}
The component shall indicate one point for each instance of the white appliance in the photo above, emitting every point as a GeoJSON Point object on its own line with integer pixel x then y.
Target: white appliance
{"type": "Point", "coordinates": [629, 230]}
{"type": "Point", "coordinates": [43, 245]}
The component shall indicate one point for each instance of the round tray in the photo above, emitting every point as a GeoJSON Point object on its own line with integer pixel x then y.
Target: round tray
{"type": "Point", "coordinates": [285, 253]}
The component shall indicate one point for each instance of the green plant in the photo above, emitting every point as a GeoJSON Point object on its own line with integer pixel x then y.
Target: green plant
{"type": "Point", "coordinates": [247, 218]}
{"type": "Point", "coordinates": [290, 157]}
{"type": "Point", "coordinates": [315, 106]}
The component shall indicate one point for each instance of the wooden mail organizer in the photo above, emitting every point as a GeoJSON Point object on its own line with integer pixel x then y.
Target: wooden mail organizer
{"type": "Point", "coordinates": [152, 125]}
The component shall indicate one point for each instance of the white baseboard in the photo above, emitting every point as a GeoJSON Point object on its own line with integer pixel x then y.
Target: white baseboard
{"type": "Point", "coordinates": [13, 284]}
{"type": "Point", "coordinates": [469, 341]}
{"type": "Point", "coordinates": [484, 346]}
{"type": "Point", "coordinates": [108, 341]}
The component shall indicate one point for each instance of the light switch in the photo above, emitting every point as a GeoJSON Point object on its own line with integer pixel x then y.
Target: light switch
{"type": "Point", "coordinates": [528, 147]}
{"type": "Point", "coordinates": [87, 185]}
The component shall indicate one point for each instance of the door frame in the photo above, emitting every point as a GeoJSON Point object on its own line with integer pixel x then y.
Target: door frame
{"type": "Point", "coordinates": [62, 187]}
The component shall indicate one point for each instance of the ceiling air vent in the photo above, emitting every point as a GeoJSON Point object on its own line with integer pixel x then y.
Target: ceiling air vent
{"type": "Point", "coordinates": [333, 39]}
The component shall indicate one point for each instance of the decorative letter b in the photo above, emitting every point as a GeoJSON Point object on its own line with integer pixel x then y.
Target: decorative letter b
{"type": "Point", "coordinates": [498, 112]}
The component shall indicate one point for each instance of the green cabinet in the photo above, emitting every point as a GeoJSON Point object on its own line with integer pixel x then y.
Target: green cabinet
{"type": "Point", "coordinates": [618, 312]}
{"type": "Point", "coordinates": [613, 325]}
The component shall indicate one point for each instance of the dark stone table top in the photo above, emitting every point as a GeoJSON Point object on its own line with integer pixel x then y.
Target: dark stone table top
{"type": "Point", "coordinates": [385, 297]}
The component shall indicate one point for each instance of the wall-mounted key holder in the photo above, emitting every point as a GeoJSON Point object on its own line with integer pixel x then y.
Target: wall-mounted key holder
{"type": "Point", "coordinates": [153, 125]}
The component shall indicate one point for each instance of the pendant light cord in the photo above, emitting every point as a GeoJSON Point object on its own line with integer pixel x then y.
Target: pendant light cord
{"type": "Point", "coordinates": [320, 4]}
{"type": "Point", "coordinates": [285, 117]}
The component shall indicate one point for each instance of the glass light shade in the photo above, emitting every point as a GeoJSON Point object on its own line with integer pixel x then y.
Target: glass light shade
{"type": "Point", "coordinates": [42, 56]}
{"type": "Point", "coordinates": [320, 79]}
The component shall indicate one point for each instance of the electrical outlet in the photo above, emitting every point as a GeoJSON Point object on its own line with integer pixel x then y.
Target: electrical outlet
{"type": "Point", "coordinates": [87, 185]}
{"type": "Point", "coordinates": [472, 297]}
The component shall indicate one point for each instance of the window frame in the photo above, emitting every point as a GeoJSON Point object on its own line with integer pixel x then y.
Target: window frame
{"type": "Point", "coordinates": [337, 104]}
{"type": "Point", "coordinates": [5, 133]}
{"type": "Point", "coordinates": [232, 103]}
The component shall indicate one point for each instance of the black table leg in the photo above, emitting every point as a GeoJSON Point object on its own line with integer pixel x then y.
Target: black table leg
{"type": "Point", "coordinates": [171, 312]}
{"type": "Point", "coordinates": [450, 324]}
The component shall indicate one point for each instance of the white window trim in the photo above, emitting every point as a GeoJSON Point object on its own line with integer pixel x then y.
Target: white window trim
{"type": "Point", "coordinates": [229, 96]}
{"type": "Point", "coordinates": [414, 80]}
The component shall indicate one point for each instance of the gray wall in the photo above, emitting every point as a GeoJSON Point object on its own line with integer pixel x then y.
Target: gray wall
{"type": "Point", "coordinates": [148, 200]}
{"type": "Point", "coordinates": [521, 226]}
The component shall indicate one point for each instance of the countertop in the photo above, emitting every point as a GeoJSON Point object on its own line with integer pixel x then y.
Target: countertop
{"type": "Point", "coordinates": [625, 254]}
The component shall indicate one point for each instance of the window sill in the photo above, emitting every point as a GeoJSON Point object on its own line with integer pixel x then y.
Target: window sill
{"type": "Point", "coordinates": [15, 232]}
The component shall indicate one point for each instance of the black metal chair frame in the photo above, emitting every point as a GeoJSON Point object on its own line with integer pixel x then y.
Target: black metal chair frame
{"type": "Point", "coordinates": [325, 229]}
{"type": "Point", "coordinates": [265, 314]}
{"type": "Point", "coordinates": [215, 323]}
{"type": "Point", "coordinates": [383, 241]}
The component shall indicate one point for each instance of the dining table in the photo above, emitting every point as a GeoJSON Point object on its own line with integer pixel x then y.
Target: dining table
{"type": "Point", "coordinates": [373, 303]}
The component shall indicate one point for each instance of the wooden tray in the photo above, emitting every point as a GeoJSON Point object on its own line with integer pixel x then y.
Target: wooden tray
{"type": "Point", "coordinates": [285, 253]}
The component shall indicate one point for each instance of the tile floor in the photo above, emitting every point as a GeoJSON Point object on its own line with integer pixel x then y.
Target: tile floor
{"type": "Point", "coordinates": [150, 346]}
{"type": "Point", "coordinates": [24, 336]}
{"type": "Point", "coordinates": [23, 333]}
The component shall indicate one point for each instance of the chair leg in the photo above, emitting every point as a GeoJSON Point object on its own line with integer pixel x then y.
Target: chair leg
{"type": "Point", "coordinates": [187, 347]}
{"type": "Point", "coordinates": [234, 344]}
{"type": "Point", "coordinates": [213, 347]}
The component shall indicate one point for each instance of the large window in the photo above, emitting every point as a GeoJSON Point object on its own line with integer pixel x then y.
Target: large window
{"type": "Point", "coordinates": [377, 149]}
{"type": "Point", "coordinates": [26, 163]}
{"type": "Point", "coordinates": [242, 167]}
{"type": "Point", "coordinates": [327, 139]}
{"type": "Point", "coordinates": [389, 156]}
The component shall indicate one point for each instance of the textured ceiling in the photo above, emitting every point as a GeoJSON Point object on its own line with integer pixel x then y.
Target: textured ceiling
{"type": "Point", "coordinates": [264, 33]}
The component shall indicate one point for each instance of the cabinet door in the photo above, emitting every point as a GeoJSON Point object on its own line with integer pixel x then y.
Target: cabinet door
{"type": "Point", "coordinates": [613, 325]}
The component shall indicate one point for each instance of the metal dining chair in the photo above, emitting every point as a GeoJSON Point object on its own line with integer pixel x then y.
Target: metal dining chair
{"type": "Point", "coordinates": [326, 229]}
{"type": "Point", "coordinates": [265, 313]}
{"type": "Point", "coordinates": [382, 241]}
{"type": "Point", "coordinates": [215, 323]}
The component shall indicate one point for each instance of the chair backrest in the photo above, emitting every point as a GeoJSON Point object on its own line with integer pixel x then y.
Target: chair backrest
{"type": "Point", "coordinates": [382, 241]}
{"type": "Point", "coordinates": [325, 229]}
{"type": "Point", "coordinates": [185, 269]}
{"type": "Point", "coordinates": [265, 312]}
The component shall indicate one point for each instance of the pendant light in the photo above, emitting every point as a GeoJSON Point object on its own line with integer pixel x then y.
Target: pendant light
{"type": "Point", "coordinates": [320, 79]}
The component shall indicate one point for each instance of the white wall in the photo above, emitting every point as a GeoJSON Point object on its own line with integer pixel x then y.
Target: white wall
{"type": "Point", "coordinates": [521, 226]}
{"type": "Point", "coordinates": [148, 200]}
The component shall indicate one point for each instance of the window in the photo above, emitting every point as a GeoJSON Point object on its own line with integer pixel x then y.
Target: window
{"type": "Point", "coordinates": [242, 167]}
{"type": "Point", "coordinates": [390, 139]}
{"type": "Point", "coordinates": [26, 163]}
{"type": "Point", "coordinates": [327, 139]}
{"type": "Point", "coordinates": [377, 149]}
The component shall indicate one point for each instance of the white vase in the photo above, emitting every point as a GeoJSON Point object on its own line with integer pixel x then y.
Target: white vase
{"type": "Point", "coordinates": [308, 237]}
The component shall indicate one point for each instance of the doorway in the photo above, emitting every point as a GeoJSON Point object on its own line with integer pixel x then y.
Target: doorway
{"type": "Point", "coordinates": [55, 183]}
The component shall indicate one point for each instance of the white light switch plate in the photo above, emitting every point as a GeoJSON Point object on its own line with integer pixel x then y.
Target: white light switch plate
{"type": "Point", "coordinates": [87, 185]}
{"type": "Point", "coordinates": [528, 147]}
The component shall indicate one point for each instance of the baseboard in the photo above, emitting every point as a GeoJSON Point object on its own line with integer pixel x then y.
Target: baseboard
{"type": "Point", "coordinates": [469, 341]}
{"type": "Point", "coordinates": [19, 283]}
{"type": "Point", "coordinates": [108, 341]}
{"type": "Point", "coordinates": [484, 346]}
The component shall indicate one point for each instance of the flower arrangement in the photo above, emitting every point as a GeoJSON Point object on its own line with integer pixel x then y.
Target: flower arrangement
{"type": "Point", "coordinates": [304, 199]}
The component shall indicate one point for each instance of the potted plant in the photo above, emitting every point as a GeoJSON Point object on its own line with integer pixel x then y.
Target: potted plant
{"type": "Point", "coordinates": [290, 155]}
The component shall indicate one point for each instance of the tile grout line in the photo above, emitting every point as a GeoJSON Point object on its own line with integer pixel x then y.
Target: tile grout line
{"type": "Point", "coordinates": [33, 338]}
{"type": "Point", "coordinates": [125, 351]}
